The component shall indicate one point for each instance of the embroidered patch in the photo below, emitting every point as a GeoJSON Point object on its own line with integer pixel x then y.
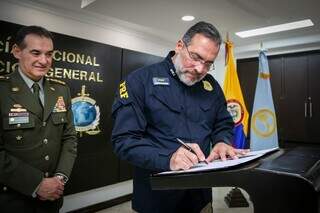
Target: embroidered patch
{"type": "Point", "coordinates": [60, 105]}
{"type": "Point", "coordinates": [123, 90]}
{"type": "Point", "coordinates": [207, 86]}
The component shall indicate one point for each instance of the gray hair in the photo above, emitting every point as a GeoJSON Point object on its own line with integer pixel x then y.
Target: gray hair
{"type": "Point", "coordinates": [203, 28]}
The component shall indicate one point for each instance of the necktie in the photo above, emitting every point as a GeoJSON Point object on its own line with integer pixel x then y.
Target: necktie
{"type": "Point", "coordinates": [36, 89]}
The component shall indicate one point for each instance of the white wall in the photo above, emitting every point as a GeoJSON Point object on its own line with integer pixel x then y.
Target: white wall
{"type": "Point", "coordinates": [54, 19]}
{"type": "Point", "coordinates": [219, 71]}
{"type": "Point", "coordinates": [79, 25]}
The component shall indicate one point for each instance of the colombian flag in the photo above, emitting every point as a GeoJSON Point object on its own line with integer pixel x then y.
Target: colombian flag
{"type": "Point", "coordinates": [235, 102]}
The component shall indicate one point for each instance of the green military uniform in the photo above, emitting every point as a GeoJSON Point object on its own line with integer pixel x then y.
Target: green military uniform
{"type": "Point", "coordinates": [34, 145]}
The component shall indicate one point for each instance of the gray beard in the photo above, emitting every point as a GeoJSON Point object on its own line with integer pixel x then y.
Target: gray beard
{"type": "Point", "coordinates": [181, 74]}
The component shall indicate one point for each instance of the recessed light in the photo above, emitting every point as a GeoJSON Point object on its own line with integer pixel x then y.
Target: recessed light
{"type": "Point", "coordinates": [275, 28]}
{"type": "Point", "coordinates": [85, 3]}
{"type": "Point", "coordinates": [187, 18]}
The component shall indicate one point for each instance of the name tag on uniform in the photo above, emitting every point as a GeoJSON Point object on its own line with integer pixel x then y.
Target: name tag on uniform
{"type": "Point", "coordinates": [18, 118]}
{"type": "Point", "coordinates": [160, 81]}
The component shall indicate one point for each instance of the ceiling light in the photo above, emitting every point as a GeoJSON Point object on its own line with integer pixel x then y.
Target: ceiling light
{"type": "Point", "coordinates": [187, 18]}
{"type": "Point", "coordinates": [85, 3]}
{"type": "Point", "coordinates": [275, 28]}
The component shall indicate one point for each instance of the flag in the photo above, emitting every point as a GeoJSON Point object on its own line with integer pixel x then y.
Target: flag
{"type": "Point", "coordinates": [263, 134]}
{"type": "Point", "coordinates": [235, 102]}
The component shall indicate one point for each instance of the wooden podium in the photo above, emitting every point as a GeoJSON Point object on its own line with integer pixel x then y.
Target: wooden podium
{"type": "Point", "coordinates": [287, 181]}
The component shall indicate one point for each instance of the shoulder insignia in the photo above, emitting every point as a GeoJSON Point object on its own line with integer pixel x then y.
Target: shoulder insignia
{"type": "Point", "coordinates": [207, 86]}
{"type": "Point", "coordinates": [4, 77]}
{"type": "Point", "coordinates": [56, 81]}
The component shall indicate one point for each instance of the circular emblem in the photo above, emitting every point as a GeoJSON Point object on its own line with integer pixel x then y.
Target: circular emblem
{"type": "Point", "coordinates": [86, 114]}
{"type": "Point", "coordinates": [264, 123]}
{"type": "Point", "coordinates": [236, 111]}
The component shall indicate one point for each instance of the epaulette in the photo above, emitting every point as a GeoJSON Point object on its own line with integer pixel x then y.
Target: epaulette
{"type": "Point", "coordinates": [4, 77]}
{"type": "Point", "coordinates": [56, 81]}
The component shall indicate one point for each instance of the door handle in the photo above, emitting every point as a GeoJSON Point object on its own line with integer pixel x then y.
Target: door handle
{"type": "Point", "coordinates": [310, 107]}
{"type": "Point", "coordinates": [305, 109]}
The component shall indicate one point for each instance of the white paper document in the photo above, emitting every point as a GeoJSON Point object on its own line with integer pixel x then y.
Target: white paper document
{"type": "Point", "coordinates": [219, 164]}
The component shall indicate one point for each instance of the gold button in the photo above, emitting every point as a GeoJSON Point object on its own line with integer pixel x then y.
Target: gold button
{"type": "Point", "coordinates": [18, 125]}
{"type": "Point", "coordinates": [45, 141]}
{"type": "Point", "coordinates": [47, 157]}
{"type": "Point", "coordinates": [62, 119]}
{"type": "Point", "coordinates": [44, 123]}
{"type": "Point", "coordinates": [5, 188]}
{"type": "Point", "coordinates": [46, 174]}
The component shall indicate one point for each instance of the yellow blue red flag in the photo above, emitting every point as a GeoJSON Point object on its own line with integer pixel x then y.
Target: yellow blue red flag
{"type": "Point", "coordinates": [235, 102]}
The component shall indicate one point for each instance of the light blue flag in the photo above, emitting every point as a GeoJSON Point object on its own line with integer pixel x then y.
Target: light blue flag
{"type": "Point", "coordinates": [263, 133]}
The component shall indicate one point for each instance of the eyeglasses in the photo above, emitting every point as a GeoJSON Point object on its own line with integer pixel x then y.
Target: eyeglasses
{"type": "Point", "coordinates": [197, 59]}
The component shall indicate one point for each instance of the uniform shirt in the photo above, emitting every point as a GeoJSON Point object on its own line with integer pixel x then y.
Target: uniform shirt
{"type": "Point", "coordinates": [153, 107]}
{"type": "Point", "coordinates": [34, 142]}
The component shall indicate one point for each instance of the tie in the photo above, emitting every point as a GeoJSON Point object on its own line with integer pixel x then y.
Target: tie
{"type": "Point", "coordinates": [36, 89]}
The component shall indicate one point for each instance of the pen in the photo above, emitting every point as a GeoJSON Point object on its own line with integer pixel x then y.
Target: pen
{"type": "Point", "coordinates": [186, 146]}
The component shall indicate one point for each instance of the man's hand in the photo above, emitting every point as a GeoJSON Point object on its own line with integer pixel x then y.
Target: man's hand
{"type": "Point", "coordinates": [50, 189]}
{"type": "Point", "coordinates": [222, 150]}
{"type": "Point", "coordinates": [184, 159]}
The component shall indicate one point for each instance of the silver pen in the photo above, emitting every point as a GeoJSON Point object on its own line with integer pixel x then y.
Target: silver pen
{"type": "Point", "coordinates": [187, 147]}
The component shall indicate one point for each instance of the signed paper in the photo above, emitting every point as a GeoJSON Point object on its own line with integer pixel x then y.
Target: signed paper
{"type": "Point", "coordinates": [218, 164]}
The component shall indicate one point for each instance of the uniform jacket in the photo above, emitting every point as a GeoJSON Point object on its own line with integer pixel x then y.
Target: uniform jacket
{"type": "Point", "coordinates": [31, 148]}
{"type": "Point", "coordinates": [152, 108]}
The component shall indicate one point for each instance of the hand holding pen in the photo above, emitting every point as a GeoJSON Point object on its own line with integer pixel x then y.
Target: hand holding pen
{"type": "Point", "coordinates": [190, 150]}
{"type": "Point", "coordinates": [186, 156]}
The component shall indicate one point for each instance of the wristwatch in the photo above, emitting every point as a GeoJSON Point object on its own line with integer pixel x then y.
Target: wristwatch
{"type": "Point", "coordinates": [62, 177]}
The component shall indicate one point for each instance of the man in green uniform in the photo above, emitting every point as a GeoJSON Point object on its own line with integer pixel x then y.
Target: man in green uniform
{"type": "Point", "coordinates": [38, 143]}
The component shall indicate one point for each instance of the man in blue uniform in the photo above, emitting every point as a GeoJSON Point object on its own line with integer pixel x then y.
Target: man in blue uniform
{"type": "Point", "coordinates": [170, 100]}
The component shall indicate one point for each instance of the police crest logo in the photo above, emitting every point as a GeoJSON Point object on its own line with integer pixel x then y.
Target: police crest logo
{"type": "Point", "coordinates": [207, 86]}
{"type": "Point", "coordinates": [236, 111]}
{"type": "Point", "coordinates": [264, 123]}
{"type": "Point", "coordinates": [60, 106]}
{"type": "Point", "coordinates": [86, 113]}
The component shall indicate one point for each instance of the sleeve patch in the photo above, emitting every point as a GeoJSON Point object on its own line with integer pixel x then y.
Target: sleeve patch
{"type": "Point", "coordinates": [123, 90]}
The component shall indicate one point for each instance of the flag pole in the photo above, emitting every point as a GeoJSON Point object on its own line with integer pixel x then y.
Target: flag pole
{"type": "Point", "coordinates": [235, 197]}
{"type": "Point", "coordinates": [226, 49]}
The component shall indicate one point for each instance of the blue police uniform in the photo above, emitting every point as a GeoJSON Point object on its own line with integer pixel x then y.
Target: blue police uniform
{"type": "Point", "coordinates": [151, 109]}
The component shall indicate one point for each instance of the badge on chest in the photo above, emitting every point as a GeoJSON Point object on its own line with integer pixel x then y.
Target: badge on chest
{"type": "Point", "coordinates": [160, 81]}
{"type": "Point", "coordinates": [60, 105]}
{"type": "Point", "coordinates": [18, 118]}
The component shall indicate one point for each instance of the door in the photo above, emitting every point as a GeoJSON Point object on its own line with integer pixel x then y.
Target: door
{"type": "Point", "coordinates": [293, 106]}
{"type": "Point", "coordinates": [313, 129]}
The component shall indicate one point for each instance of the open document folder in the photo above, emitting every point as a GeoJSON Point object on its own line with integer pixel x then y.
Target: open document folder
{"type": "Point", "coordinates": [219, 164]}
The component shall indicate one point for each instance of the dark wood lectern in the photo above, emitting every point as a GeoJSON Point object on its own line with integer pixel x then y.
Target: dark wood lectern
{"type": "Point", "coordinates": [287, 181]}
